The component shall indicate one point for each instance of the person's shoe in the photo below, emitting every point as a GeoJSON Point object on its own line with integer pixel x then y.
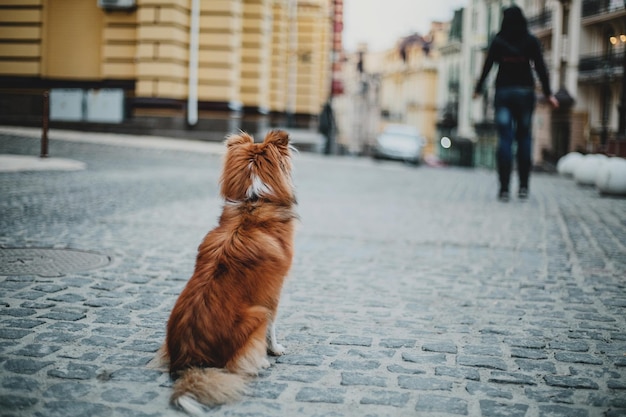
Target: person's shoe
{"type": "Point", "coordinates": [523, 193]}
{"type": "Point", "coordinates": [503, 196]}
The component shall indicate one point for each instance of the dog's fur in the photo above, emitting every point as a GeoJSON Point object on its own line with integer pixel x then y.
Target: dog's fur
{"type": "Point", "coordinates": [220, 326]}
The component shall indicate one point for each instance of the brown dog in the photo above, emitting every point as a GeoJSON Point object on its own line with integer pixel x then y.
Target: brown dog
{"type": "Point", "coordinates": [219, 329]}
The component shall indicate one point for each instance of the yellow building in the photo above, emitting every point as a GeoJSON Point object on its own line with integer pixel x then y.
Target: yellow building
{"type": "Point", "coordinates": [409, 82]}
{"type": "Point", "coordinates": [187, 67]}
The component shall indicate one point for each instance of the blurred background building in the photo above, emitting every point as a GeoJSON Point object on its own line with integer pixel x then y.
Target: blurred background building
{"type": "Point", "coordinates": [584, 43]}
{"type": "Point", "coordinates": [205, 68]}
{"type": "Point", "coordinates": [427, 80]}
{"type": "Point", "coordinates": [174, 67]}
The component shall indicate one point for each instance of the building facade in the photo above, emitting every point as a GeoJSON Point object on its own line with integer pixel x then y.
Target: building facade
{"type": "Point", "coordinates": [184, 67]}
{"type": "Point", "coordinates": [409, 82]}
{"type": "Point", "coordinates": [584, 44]}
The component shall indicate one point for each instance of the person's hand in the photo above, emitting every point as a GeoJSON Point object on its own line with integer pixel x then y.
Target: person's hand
{"type": "Point", "coordinates": [554, 102]}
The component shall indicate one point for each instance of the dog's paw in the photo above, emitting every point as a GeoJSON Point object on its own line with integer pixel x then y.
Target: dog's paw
{"type": "Point", "coordinates": [276, 349]}
{"type": "Point", "coordinates": [265, 363]}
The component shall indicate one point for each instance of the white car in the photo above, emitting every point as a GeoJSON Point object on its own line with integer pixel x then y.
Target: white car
{"type": "Point", "coordinates": [400, 142]}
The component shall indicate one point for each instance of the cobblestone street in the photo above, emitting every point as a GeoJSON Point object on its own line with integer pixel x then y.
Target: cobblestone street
{"type": "Point", "coordinates": [413, 290]}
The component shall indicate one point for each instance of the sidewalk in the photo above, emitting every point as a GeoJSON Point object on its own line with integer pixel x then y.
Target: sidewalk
{"type": "Point", "coordinates": [413, 291]}
{"type": "Point", "coordinates": [11, 163]}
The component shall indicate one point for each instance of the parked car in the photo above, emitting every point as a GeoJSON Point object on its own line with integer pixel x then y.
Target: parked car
{"type": "Point", "coordinates": [399, 142]}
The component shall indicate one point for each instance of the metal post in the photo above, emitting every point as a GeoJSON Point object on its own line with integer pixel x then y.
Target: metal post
{"type": "Point", "coordinates": [44, 124]}
{"type": "Point", "coordinates": [606, 99]}
{"type": "Point", "coordinates": [622, 107]}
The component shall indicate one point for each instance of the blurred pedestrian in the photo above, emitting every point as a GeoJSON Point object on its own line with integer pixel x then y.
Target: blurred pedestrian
{"type": "Point", "coordinates": [327, 127]}
{"type": "Point", "coordinates": [516, 52]}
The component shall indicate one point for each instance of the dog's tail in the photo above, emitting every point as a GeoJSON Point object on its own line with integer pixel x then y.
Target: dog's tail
{"type": "Point", "coordinates": [208, 386]}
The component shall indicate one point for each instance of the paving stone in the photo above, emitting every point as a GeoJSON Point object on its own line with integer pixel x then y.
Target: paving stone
{"type": "Point", "coordinates": [122, 395]}
{"type": "Point", "coordinates": [144, 346]}
{"type": "Point", "coordinates": [369, 354]}
{"type": "Point", "coordinates": [553, 395]}
{"type": "Point", "coordinates": [127, 412]}
{"type": "Point", "coordinates": [459, 373]}
{"type": "Point", "coordinates": [440, 404]}
{"type": "Point", "coordinates": [527, 365]}
{"type": "Point", "coordinates": [67, 390]}
{"type": "Point", "coordinates": [321, 395]}
{"type": "Point", "coordinates": [577, 346]}
{"type": "Point", "coordinates": [616, 384]}
{"type": "Point", "coordinates": [264, 389]}
{"type": "Point", "coordinates": [357, 378]}
{"type": "Point", "coordinates": [20, 383]}
{"type": "Point", "coordinates": [307, 360]}
{"type": "Point", "coordinates": [22, 323]}
{"type": "Point", "coordinates": [490, 408]}
{"type": "Point", "coordinates": [63, 315]}
{"type": "Point", "coordinates": [397, 369]}
{"type": "Point", "coordinates": [135, 375]}
{"type": "Point", "coordinates": [482, 362]}
{"type": "Point", "coordinates": [14, 333]}
{"type": "Point", "coordinates": [443, 347]}
{"type": "Point", "coordinates": [354, 365]}
{"type": "Point", "coordinates": [525, 343]}
{"type": "Point", "coordinates": [424, 358]}
{"type": "Point", "coordinates": [511, 378]}
{"type": "Point", "coordinates": [49, 288]}
{"type": "Point", "coordinates": [489, 390]}
{"type": "Point", "coordinates": [14, 402]}
{"type": "Point", "coordinates": [74, 409]}
{"type": "Point", "coordinates": [577, 358]}
{"type": "Point", "coordinates": [29, 295]}
{"type": "Point", "coordinates": [302, 375]}
{"type": "Point", "coordinates": [561, 411]}
{"type": "Point", "coordinates": [324, 350]}
{"type": "Point", "coordinates": [67, 298]}
{"type": "Point", "coordinates": [18, 312]}
{"type": "Point", "coordinates": [37, 350]}
{"type": "Point", "coordinates": [75, 371]}
{"type": "Point", "coordinates": [102, 341]}
{"type": "Point", "coordinates": [112, 316]}
{"type": "Point", "coordinates": [389, 398]}
{"type": "Point", "coordinates": [68, 326]}
{"type": "Point", "coordinates": [482, 350]}
{"type": "Point", "coordinates": [423, 383]}
{"type": "Point", "coordinates": [56, 337]}
{"type": "Point", "coordinates": [528, 353]}
{"type": "Point", "coordinates": [25, 366]}
{"type": "Point", "coordinates": [570, 382]}
{"type": "Point", "coordinates": [397, 343]}
{"type": "Point", "coordinates": [352, 341]}
{"type": "Point", "coordinates": [37, 304]}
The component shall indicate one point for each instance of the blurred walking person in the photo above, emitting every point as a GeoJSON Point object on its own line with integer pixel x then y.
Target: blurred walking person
{"type": "Point", "coordinates": [328, 127]}
{"type": "Point", "coordinates": [516, 52]}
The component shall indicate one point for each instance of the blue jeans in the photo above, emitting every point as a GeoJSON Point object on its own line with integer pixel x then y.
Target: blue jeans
{"type": "Point", "coordinates": [514, 108]}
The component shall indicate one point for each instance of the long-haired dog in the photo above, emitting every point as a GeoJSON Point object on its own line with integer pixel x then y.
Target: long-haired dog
{"type": "Point", "coordinates": [222, 324]}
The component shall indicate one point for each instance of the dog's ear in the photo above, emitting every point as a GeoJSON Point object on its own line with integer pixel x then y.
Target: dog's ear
{"type": "Point", "coordinates": [277, 137]}
{"type": "Point", "coordinates": [240, 139]}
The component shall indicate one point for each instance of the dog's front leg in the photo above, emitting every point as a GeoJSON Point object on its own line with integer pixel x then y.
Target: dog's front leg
{"type": "Point", "coordinates": [273, 347]}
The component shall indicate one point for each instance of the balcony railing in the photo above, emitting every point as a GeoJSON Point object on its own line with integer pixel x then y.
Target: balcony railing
{"type": "Point", "coordinates": [540, 21]}
{"type": "Point", "coordinates": [596, 7]}
{"type": "Point", "coordinates": [453, 86]}
{"type": "Point", "coordinates": [601, 65]}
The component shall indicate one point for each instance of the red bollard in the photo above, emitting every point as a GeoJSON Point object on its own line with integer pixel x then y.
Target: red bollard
{"type": "Point", "coordinates": [44, 131]}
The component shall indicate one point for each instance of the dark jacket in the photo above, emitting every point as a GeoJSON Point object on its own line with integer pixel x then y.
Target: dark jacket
{"type": "Point", "coordinates": [514, 60]}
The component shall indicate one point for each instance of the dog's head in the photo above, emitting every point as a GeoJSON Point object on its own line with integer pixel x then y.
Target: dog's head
{"type": "Point", "coordinates": [254, 171]}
